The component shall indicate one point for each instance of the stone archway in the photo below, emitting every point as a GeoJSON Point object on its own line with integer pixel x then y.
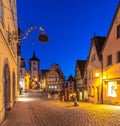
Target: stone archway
{"type": "Point", "coordinates": [6, 86]}
{"type": "Point", "coordinates": [13, 87]}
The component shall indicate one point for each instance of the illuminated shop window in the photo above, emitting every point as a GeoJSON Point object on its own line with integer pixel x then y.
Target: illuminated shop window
{"type": "Point", "coordinates": [53, 87]}
{"type": "Point", "coordinates": [112, 88]}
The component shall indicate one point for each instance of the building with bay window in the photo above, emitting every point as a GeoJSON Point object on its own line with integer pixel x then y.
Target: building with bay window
{"type": "Point", "coordinates": [55, 81]}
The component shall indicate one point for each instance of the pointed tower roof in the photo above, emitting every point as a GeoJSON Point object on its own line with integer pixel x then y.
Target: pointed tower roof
{"type": "Point", "coordinates": [34, 57]}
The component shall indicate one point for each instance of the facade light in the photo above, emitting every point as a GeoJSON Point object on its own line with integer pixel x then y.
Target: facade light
{"type": "Point", "coordinates": [97, 74]}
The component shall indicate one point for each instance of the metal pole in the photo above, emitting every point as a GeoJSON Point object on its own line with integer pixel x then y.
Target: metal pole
{"type": "Point", "coordinates": [102, 80]}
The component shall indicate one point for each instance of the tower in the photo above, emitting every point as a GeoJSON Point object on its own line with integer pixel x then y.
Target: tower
{"type": "Point", "coordinates": [34, 63]}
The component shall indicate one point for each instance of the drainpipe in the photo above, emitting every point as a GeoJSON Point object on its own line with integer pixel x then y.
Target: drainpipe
{"type": "Point", "coordinates": [102, 79]}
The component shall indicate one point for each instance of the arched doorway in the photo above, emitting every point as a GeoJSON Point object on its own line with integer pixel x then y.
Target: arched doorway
{"type": "Point", "coordinates": [6, 86]}
{"type": "Point", "coordinates": [13, 87]}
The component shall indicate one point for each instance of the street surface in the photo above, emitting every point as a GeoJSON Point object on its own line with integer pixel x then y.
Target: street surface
{"type": "Point", "coordinates": [34, 109]}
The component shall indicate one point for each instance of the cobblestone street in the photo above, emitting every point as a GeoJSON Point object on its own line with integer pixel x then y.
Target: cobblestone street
{"type": "Point", "coordinates": [33, 109]}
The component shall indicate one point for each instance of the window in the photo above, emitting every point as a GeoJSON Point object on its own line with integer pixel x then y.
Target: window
{"type": "Point", "coordinates": [92, 57]}
{"type": "Point", "coordinates": [118, 31]}
{"type": "Point", "coordinates": [109, 60]}
{"type": "Point", "coordinates": [92, 91]}
{"type": "Point", "coordinates": [1, 11]}
{"type": "Point", "coordinates": [89, 91]}
{"type": "Point", "coordinates": [34, 68]}
{"type": "Point", "coordinates": [112, 88]}
{"type": "Point", "coordinates": [118, 56]}
{"type": "Point", "coordinates": [89, 74]}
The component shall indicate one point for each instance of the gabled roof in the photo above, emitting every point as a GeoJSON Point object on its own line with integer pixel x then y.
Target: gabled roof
{"type": "Point", "coordinates": [22, 59]}
{"type": "Point", "coordinates": [44, 71]}
{"type": "Point", "coordinates": [98, 41]}
{"type": "Point", "coordinates": [34, 57]}
{"type": "Point", "coordinates": [70, 78]}
{"type": "Point", "coordinates": [118, 7]}
{"type": "Point", "coordinates": [56, 68]}
{"type": "Point", "coordinates": [81, 66]}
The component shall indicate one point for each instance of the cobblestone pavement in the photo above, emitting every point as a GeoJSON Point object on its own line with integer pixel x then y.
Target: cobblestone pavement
{"type": "Point", "coordinates": [33, 109]}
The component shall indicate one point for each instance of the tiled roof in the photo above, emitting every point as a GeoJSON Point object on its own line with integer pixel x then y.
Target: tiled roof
{"type": "Point", "coordinates": [112, 23]}
{"type": "Point", "coordinates": [44, 71]}
{"type": "Point", "coordinates": [57, 69]}
{"type": "Point", "coordinates": [99, 42]}
{"type": "Point", "coordinates": [81, 66]}
{"type": "Point", "coordinates": [70, 78]}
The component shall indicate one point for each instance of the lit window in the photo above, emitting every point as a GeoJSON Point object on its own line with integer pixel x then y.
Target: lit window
{"type": "Point", "coordinates": [55, 87]}
{"type": "Point", "coordinates": [109, 60]}
{"type": "Point", "coordinates": [118, 56]}
{"type": "Point", "coordinates": [118, 31]}
{"type": "Point", "coordinates": [112, 88]}
{"type": "Point", "coordinates": [50, 86]}
{"type": "Point", "coordinates": [85, 94]}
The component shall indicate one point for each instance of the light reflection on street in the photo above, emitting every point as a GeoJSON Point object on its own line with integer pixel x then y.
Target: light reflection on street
{"type": "Point", "coordinates": [27, 99]}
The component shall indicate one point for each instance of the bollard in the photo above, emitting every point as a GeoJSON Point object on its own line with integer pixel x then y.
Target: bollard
{"type": "Point", "coordinates": [75, 102]}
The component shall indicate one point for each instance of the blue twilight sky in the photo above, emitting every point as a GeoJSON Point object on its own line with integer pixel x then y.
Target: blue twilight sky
{"type": "Point", "coordinates": [70, 24]}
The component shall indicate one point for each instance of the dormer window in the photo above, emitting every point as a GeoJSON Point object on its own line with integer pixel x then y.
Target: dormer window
{"type": "Point", "coordinates": [118, 31]}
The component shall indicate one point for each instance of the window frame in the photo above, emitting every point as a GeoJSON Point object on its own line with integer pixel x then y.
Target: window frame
{"type": "Point", "coordinates": [118, 57]}
{"type": "Point", "coordinates": [109, 60]}
{"type": "Point", "coordinates": [92, 91]}
{"type": "Point", "coordinates": [118, 31]}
